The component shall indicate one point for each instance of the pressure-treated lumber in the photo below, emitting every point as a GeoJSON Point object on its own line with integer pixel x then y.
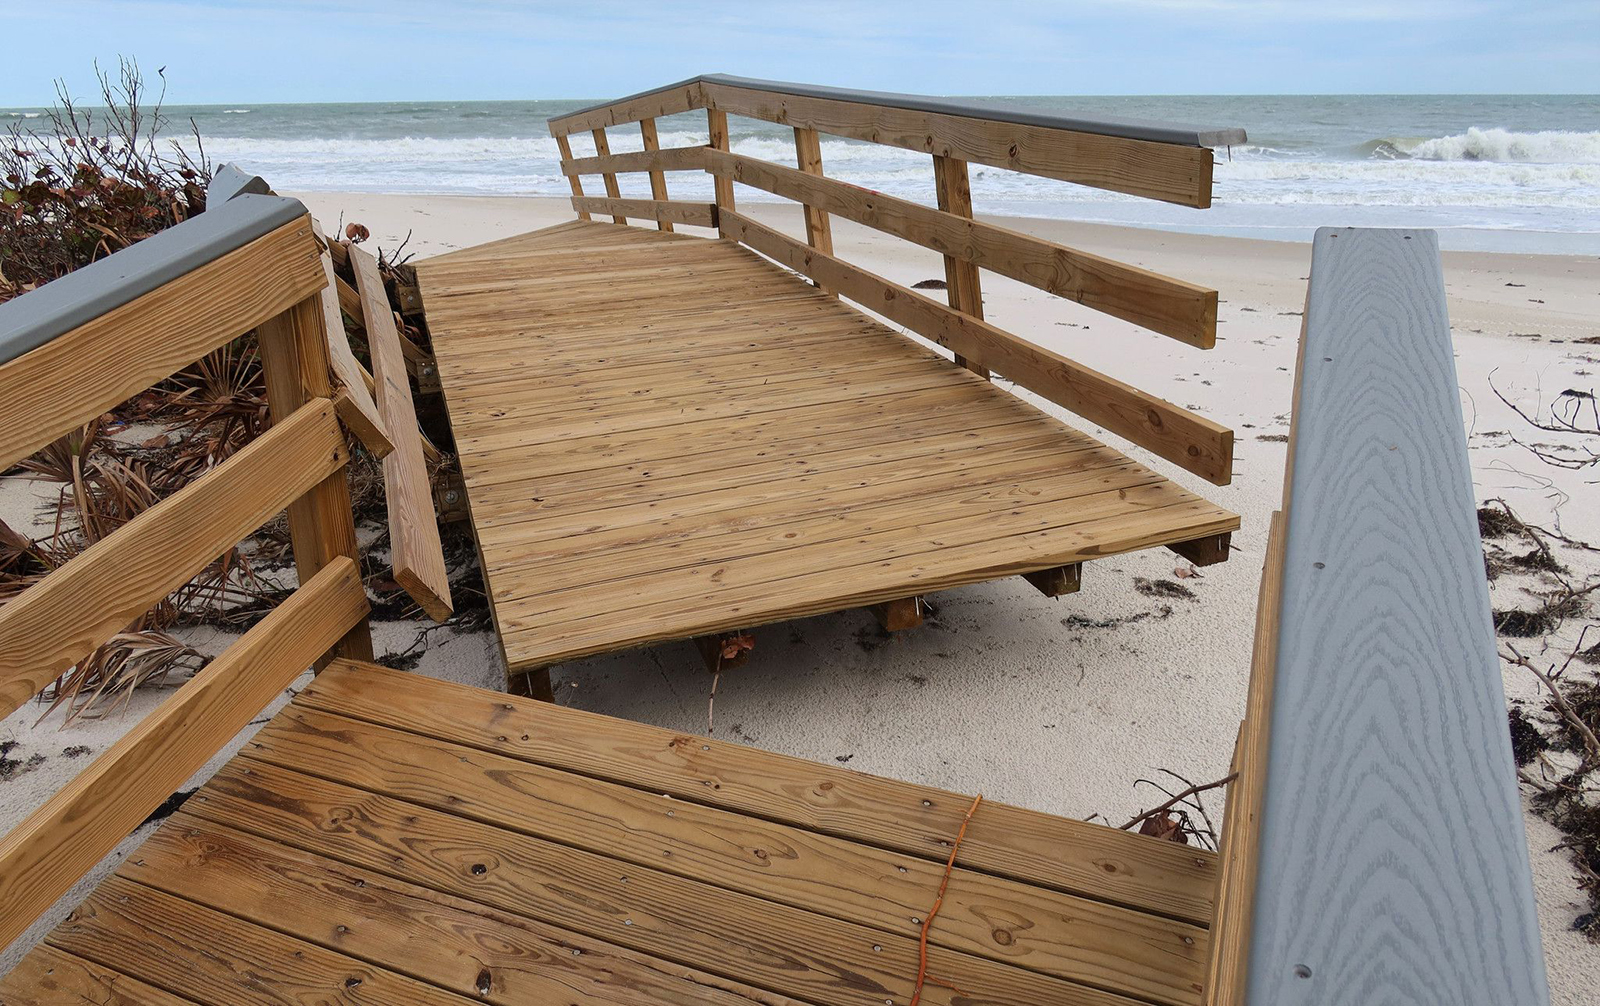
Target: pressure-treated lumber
{"type": "Point", "coordinates": [293, 347]}
{"type": "Point", "coordinates": [356, 406]}
{"type": "Point", "coordinates": [100, 591]}
{"type": "Point", "coordinates": [44, 855]}
{"type": "Point", "coordinates": [414, 549]}
{"type": "Point", "coordinates": [1185, 311]}
{"type": "Point", "coordinates": [808, 155]}
{"type": "Point", "coordinates": [51, 977]}
{"type": "Point", "coordinates": [1207, 551]}
{"type": "Point", "coordinates": [1074, 856]}
{"type": "Point", "coordinates": [78, 375]}
{"type": "Point", "coordinates": [1180, 436]}
{"type": "Point", "coordinates": [1393, 858]}
{"type": "Point", "coordinates": [565, 147]}
{"type": "Point", "coordinates": [674, 211]}
{"type": "Point", "coordinates": [961, 276]}
{"type": "Point", "coordinates": [651, 159]}
{"type": "Point", "coordinates": [602, 148]}
{"type": "Point", "coordinates": [717, 121]}
{"type": "Point", "coordinates": [1057, 580]}
{"type": "Point", "coordinates": [900, 614]}
{"type": "Point", "coordinates": [658, 178]}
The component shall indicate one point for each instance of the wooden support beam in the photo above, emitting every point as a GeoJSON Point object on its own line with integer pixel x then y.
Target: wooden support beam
{"type": "Point", "coordinates": [356, 407]}
{"type": "Point", "coordinates": [960, 275]}
{"type": "Point", "coordinates": [414, 549]}
{"type": "Point", "coordinates": [410, 297]}
{"type": "Point", "coordinates": [602, 148]}
{"type": "Point", "coordinates": [902, 613]}
{"type": "Point", "coordinates": [698, 214]}
{"type": "Point", "coordinates": [1207, 551]}
{"type": "Point", "coordinates": [718, 124]}
{"type": "Point", "coordinates": [808, 154]}
{"type": "Point", "coordinates": [723, 651]}
{"type": "Point", "coordinates": [294, 363]}
{"type": "Point", "coordinates": [650, 159]}
{"type": "Point", "coordinates": [1057, 580]}
{"type": "Point", "coordinates": [565, 146]}
{"type": "Point", "coordinates": [658, 178]}
{"type": "Point", "coordinates": [531, 683]}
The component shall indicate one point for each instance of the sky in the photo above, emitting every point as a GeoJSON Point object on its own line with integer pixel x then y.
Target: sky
{"type": "Point", "coordinates": [221, 51]}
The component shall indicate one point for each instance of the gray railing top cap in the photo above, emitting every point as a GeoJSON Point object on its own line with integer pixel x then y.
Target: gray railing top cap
{"type": "Point", "coordinates": [33, 319]}
{"type": "Point", "coordinates": [1132, 129]}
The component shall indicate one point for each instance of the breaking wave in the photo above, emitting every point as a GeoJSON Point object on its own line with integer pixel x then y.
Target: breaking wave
{"type": "Point", "coordinates": [1492, 145]}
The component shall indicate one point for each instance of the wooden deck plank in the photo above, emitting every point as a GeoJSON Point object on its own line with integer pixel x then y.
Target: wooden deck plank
{"type": "Point", "coordinates": [1041, 849]}
{"type": "Point", "coordinates": [1070, 938]}
{"type": "Point", "coordinates": [51, 977]}
{"type": "Point", "coordinates": [782, 949]}
{"type": "Point", "coordinates": [675, 406]}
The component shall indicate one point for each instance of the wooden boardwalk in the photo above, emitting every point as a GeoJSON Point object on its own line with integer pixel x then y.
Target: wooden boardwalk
{"type": "Point", "coordinates": [392, 839]}
{"type": "Point", "coordinates": [665, 436]}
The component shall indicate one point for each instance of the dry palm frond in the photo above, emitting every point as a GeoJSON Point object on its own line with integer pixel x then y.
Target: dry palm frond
{"type": "Point", "coordinates": [126, 661]}
{"type": "Point", "coordinates": [62, 459]}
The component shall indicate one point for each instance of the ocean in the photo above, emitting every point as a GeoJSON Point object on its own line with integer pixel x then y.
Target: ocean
{"type": "Point", "coordinates": [1500, 172]}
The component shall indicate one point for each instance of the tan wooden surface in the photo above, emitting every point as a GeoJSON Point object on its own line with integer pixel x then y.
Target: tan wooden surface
{"type": "Point", "coordinates": [564, 145]}
{"type": "Point", "coordinates": [424, 842]}
{"type": "Point", "coordinates": [660, 210]}
{"type": "Point", "coordinates": [658, 178]}
{"type": "Point", "coordinates": [651, 158]}
{"type": "Point", "coordinates": [717, 123]}
{"type": "Point", "coordinates": [57, 622]}
{"type": "Point", "coordinates": [414, 551]}
{"type": "Point", "coordinates": [356, 406]}
{"type": "Point", "coordinates": [602, 149]}
{"type": "Point", "coordinates": [665, 437]}
{"type": "Point", "coordinates": [808, 155]}
{"type": "Point", "coordinates": [41, 858]}
{"type": "Point", "coordinates": [77, 376]}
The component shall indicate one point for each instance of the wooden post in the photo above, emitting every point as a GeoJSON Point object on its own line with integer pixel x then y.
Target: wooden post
{"type": "Point", "coordinates": [658, 178]}
{"type": "Point", "coordinates": [294, 361]}
{"type": "Point", "coordinates": [808, 154]}
{"type": "Point", "coordinates": [1057, 580]}
{"type": "Point", "coordinates": [960, 277]}
{"type": "Point", "coordinates": [565, 147]}
{"type": "Point", "coordinates": [603, 149]}
{"type": "Point", "coordinates": [718, 121]}
{"type": "Point", "coordinates": [899, 614]}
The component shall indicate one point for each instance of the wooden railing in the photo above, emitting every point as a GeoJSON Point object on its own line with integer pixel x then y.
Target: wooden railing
{"type": "Point", "coordinates": [1159, 162]}
{"type": "Point", "coordinates": [1373, 847]}
{"type": "Point", "coordinates": [81, 345]}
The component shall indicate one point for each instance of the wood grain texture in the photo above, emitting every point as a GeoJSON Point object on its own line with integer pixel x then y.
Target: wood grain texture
{"type": "Point", "coordinates": [1184, 311]}
{"type": "Point", "coordinates": [1393, 865]}
{"type": "Point", "coordinates": [415, 553]}
{"type": "Point", "coordinates": [57, 622]}
{"type": "Point", "coordinates": [1165, 171]}
{"type": "Point", "coordinates": [1180, 436]}
{"type": "Point", "coordinates": [1073, 938]}
{"type": "Point", "coordinates": [51, 977]}
{"type": "Point", "coordinates": [602, 149]}
{"type": "Point", "coordinates": [672, 211]}
{"type": "Point", "coordinates": [717, 122]}
{"type": "Point", "coordinates": [356, 406]}
{"type": "Point", "coordinates": [664, 101]}
{"type": "Point", "coordinates": [658, 177]}
{"type": "Point", "coordinates": [1059, 853]}
{"type": "Point", "coordinates": [564, 145]}
{"type": "Point", "coordinates": [45, 855]}
{"type": "Point", "coordinates": [808, 155]}
{"type": "Point", "coordinates": [77, 376]}
{"type": "Point", "coordinates": [293, 347]}
{"type": "Point", "coordinates": [652, 159]}
{"type": "Point", "coordinates": [665, 437]}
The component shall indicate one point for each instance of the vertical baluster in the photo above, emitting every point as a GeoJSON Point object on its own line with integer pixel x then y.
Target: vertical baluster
{"type": "Point", "coordinates": [960, 276]}
{"type": "Point", "coordinates": [658, 179]}
{"type": "Point", "coordinates": [603, 149]}
{"type": "Point", "coordinates": [718, 121]}
{"type": "Point", "coordinates": [565, 147]}
{"type": "Point", "coordinates": [808, 154]}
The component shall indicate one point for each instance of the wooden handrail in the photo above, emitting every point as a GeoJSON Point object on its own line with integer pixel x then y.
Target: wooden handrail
{"type": "Point", "coordinates": [45, 855]}
{"type": "Point", "coordinates": [1185, 311]}
{"type": "Point", "coordinates": [668, 210]}
{"type": "Point", "coordinates": [669, 159]}
{"type": "Point", "coordinates": [1176, 434]}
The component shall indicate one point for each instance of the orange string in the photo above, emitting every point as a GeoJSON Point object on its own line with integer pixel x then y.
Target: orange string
{"type": "Point", "coordinates": [927, 922]}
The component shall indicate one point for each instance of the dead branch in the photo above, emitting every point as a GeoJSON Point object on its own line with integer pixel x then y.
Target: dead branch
{"type": "Point", "coordinates": [1186, 794]}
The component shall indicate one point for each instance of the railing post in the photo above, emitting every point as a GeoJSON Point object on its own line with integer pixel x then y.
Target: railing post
{"type": "Point", "coordinates": [294, 361]}
{"type": "Point", "coordinates": [718, 123]}
{"type": "Point", "coordinates": [960, 277]}
{"type": "Point", "coordinates": [808, 155]}
{"type": "Point", "coordinates": [563, 145]}
{"type": "Point", "coordinates": [603, 149]}
{"type": "Point", "coordinates": [658, 178]}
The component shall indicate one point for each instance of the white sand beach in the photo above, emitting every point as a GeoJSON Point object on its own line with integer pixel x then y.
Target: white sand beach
{"type": "Point", "coordinates": [1060, 705]}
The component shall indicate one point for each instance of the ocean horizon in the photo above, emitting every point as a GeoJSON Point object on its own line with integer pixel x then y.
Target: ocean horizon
{"type": "Point", "coordinates": [1490, 172]}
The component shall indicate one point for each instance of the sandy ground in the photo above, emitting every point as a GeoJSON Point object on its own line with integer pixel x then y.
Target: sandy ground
{"type": "Point", "coordinates": [1061, 705]}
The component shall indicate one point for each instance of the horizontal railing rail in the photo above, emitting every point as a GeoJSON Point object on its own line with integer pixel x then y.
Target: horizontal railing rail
{"type": "Point", "coordinates": [1147, 159]}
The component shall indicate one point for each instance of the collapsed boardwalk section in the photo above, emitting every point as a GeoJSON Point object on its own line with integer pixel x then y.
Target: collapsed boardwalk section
{"type": "Point", "coordinates": [665, 436]}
